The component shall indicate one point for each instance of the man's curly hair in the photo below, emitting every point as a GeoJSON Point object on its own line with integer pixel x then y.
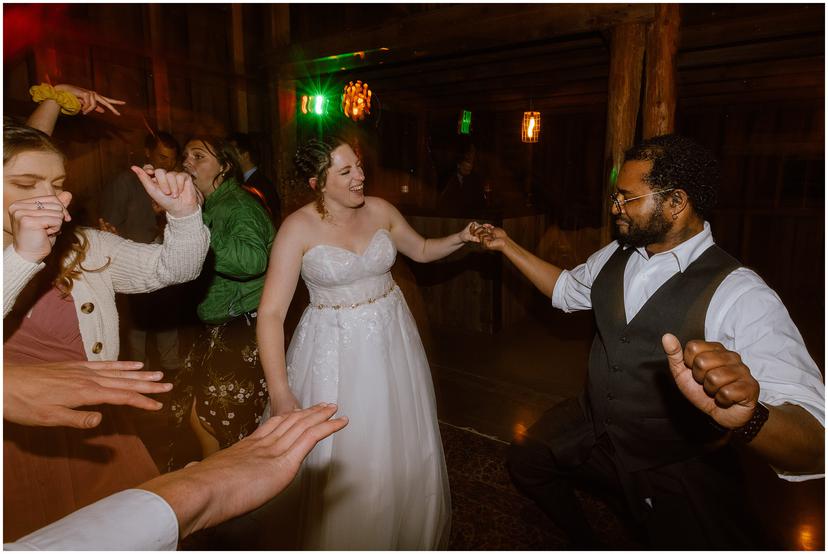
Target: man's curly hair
{"type": "Point", "coordinates": [679, 162]}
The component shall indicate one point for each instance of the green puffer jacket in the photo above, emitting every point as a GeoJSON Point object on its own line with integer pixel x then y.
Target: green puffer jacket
{"type": "Point", "coordinates": [241, 235]}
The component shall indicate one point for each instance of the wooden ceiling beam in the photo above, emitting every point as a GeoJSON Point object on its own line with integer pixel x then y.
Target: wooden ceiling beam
{"type": "Point", "coordinates": [507, 63]}
{"type": "Point", "coordinates": [791, 20]}
{"type": "Point", "coordinates": [796, 47]}
{"type": "Point", "coordinates": [514, 75]}
{"type": "Point", "coordinates": [457, 29]}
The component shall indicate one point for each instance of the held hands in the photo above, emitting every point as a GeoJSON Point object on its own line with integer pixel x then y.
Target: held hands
{"type": "Point", "coordinates": [91, 100]}
{"type": "Point", "coordinates": [713, 379]}
{"type": "Point", "coordinates": [174, 191]}
{"type": "Point", "coordinates": [36, 224]}
{"type": "Point", "coordinates": [45, 394]}
{"type": "Point", "coordinates": [470, 233]}
{"type": "Point", "coordinates": [491, 237]}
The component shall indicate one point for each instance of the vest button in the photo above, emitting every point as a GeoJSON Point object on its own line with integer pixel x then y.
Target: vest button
{"type": "Point", "coordinates": [625, 340]}
{"type": "Point", "coordinates": [88, 307]}
{"type": "Point", "coordinates": [615, 368]}
{"type": "Point", "coordinates": [608, 421]}
{"type": "Point", "coordinates": [609, 394]}
{"type": "Point", "coordinates": [97, 347]}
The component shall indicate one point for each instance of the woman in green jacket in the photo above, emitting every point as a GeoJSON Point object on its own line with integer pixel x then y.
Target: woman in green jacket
{"type": "Point", "coordinates": [222, 391]}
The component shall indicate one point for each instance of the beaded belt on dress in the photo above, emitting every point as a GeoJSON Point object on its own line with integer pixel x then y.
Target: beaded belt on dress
{"type": "Point", "coordinates": [358, 304]}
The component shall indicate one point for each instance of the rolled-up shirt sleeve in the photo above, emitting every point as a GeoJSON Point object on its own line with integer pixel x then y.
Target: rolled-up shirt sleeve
{"type": "Point", "coordinates": [750, 318]}
{"type": "Point", "coordinates": [573, 289]}
{"type": "Point", "coordinates": [133, 519]}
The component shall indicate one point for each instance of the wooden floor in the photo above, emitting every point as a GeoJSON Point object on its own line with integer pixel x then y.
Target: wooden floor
{"type": "Point", "coordinates": [496, 385]}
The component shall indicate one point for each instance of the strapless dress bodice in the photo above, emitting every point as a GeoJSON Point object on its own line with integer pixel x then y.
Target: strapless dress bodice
{"type": "Point", "coordinates": [337, 277]}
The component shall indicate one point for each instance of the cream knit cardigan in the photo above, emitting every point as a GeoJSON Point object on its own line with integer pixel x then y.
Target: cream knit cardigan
{"type": "Point", "coordinates": [133, 268]}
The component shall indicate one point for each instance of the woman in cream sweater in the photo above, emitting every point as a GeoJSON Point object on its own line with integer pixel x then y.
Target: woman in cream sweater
{"type": "Point", "coordinates": [64, 310]}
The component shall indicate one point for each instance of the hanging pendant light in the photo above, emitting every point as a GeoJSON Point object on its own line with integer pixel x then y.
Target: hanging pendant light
{"type": "Point", "coordinates": [530, 131]}
{"type": "Point", "coordinates": [356, 100]}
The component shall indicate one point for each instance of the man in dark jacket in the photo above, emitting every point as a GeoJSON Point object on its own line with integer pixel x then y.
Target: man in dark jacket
{"type": "Point", "coordinates": [256, 182]}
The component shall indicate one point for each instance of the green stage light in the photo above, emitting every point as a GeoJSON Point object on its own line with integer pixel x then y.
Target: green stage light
{"type": "Point", "coordinates": [314, 105]}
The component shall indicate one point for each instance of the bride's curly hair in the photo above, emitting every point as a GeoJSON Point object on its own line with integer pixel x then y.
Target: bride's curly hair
{"type": "Point", "coordinates": [313, 159]}
{"type": "Point", "coordinates": [72, 245]}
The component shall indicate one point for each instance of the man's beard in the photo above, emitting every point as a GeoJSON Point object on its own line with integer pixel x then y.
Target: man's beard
{"type": "Point", "coordinates": [653, 231]}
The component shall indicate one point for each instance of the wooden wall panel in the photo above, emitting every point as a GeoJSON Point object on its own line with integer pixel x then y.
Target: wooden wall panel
{"type": "Point", "coordinates": [108, 48]}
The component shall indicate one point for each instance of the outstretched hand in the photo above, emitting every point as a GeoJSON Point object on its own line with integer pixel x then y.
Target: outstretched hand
{"type": "Point", "coordinates": [91, 100]}
{"type": "Point", "coordinates": [36, 223]}
{"type": "Point", "coordinates": [247, 474]}
{"type": "Point", "coordinates": [46, 394]}
{"type": "Point", "coordinates": [713, 379]}
{"type": "Point", "coordinates": [174, 191]}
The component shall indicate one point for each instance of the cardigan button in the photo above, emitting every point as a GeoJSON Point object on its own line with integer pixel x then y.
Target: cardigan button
{"type": "Point", "coordinates": [88, 307]}
{"type": "Point", "coordinates": [615, 368]}
{"type": "Point", "coordinates": [97, 347]}
{"type": "Point", "coordinates": [625, 340]}
{"type": "Point", "coordinates": [610, 396]}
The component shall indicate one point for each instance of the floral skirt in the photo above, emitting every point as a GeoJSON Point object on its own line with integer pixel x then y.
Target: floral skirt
{"type": "Point", "coordinates": [224, 376]}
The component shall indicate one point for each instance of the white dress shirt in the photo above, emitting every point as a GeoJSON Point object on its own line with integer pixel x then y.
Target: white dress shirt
{"type": "Point", "coordinates": [133, 519]}
{"type": "Point", "coordinates": [249, 172]}
{"type": "Point", "coordinates": [745, 316]}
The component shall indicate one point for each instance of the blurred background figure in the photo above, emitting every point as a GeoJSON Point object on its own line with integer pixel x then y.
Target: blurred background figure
{"type": "Point", "coordinates": [464, 187]}
{"type": "Point", "coordinates": [255, 181]}
{"type": "Point", "coordinates": [127, 210]}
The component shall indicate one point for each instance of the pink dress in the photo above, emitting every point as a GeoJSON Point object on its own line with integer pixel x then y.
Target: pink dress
{"type": "Point", "coordinates": [50, 472]}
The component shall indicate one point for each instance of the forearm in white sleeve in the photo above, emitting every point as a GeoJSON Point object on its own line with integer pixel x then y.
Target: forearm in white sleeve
{"type": "Point", "coordinates": [133, 519]}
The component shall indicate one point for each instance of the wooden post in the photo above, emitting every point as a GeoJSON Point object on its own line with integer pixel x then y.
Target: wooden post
{"type": "Point", "coordinates": [660, 88]}
{"type": "Point", "coordinates": [623, 99]}
{"type": "Point", "coordinates": [160, 79]}
{"type": "Point", "coordinates": [239, 80]}
{"type": "Point", "coordinates": [281, 89]}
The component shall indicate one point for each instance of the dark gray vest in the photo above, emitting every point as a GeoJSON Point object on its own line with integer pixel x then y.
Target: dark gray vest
{"type": "Point", "coordinates": [630, 393]}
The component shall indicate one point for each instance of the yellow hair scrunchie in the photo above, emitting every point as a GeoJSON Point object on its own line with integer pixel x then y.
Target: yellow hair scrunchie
{"type": "Point", "coordinates": [68, 102]}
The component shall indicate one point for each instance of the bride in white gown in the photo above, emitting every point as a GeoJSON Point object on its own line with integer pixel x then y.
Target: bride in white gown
{"type": "Point", "coordinates": [381, 483]}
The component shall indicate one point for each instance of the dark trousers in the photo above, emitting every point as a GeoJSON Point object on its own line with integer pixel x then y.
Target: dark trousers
{"type": "Point", "coordinates": [689, 505]}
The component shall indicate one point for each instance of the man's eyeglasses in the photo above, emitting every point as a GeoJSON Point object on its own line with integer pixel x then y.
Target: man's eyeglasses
{"type": "Point", "coordinates": [619, 204]}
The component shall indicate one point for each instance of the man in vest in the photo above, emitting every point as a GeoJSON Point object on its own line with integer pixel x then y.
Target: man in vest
{"type": "Point", "coordinates": [694, 357]}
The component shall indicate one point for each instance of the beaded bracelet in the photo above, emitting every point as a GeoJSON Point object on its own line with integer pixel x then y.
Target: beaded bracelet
{"type": "Point", "coordinates": [68, 102]}
{"type": "Point", "coordinates": [749, 430]}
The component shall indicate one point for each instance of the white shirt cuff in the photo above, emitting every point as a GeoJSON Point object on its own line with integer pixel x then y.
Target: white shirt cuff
{"type": "Point", "coordinates": [133, 519]}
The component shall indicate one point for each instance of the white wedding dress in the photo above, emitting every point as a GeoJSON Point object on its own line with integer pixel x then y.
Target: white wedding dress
{"type": "Point", "coordinates": [380, 483]}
